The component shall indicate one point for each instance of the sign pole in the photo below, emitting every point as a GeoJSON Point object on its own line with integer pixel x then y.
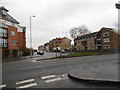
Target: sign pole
{"type": "Point", "coordinates": [18, 53]}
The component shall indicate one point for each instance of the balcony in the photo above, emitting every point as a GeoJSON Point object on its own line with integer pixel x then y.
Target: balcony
{"type": "Point", "coordinates": [3, 25]}
{"type": "Point", "coordinates": [98, 44]}
{"type": "Point", "coordinates": [4, 35]}
{"type": "Point", "coordinates": [98, 38]}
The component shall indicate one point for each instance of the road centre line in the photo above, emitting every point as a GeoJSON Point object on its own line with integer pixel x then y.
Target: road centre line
{"type": "Point", "coordinates": [52, 80]}
{"type": "Point", "coordinates": [2, 86]}
{"type": "Point", "coordinates": [25, 81]}
{"type": "Point", "coordinates": [27, 86]}
{"type": "Point", "coordinates": [46, 77]}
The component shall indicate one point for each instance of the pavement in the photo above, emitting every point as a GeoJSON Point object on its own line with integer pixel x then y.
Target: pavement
{"type": "Point", "coordinates": [99, 73]}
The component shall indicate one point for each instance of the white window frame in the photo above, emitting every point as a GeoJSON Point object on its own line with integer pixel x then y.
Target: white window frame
{"type": "Point", "coordinates": [13, 33]}
{"type": "Point", "coordinates": [106, 40]}
{"type": "Point", "coordinates": [105, 34]}
{"type": "Point", "coordinates": [13, 43]}
{"type": "Point", "coordinates": [106, 46]}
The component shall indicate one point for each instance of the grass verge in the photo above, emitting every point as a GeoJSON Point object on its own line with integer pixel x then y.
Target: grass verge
{"type": "Point", "coordinates": [80, 55]}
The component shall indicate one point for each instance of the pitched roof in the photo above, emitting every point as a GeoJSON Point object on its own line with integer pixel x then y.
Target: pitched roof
{"type": "Point", "coordinates": [3, 8]}
{"type": "Point", "coordinates": [86, 36]}
{"type": "Point", "coordinates": [7, 16]}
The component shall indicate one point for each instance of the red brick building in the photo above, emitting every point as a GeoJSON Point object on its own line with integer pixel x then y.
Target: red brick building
{"type": "Point", "coordinates": [105, 39]}
{"type": "Point", "coordinates": [60, 44]}
{"type": "Point", "coordinates": [12, 35]}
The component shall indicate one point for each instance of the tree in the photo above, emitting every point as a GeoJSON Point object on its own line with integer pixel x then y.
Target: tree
{"type": "Point", "coordinates": [78, 31]}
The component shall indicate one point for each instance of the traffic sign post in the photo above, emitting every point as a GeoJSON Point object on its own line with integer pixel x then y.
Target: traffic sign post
{"type": "Point", "coordinates": [18, 54]}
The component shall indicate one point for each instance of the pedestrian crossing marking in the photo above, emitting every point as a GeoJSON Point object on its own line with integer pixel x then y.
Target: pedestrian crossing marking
{"type": "Point", "coordinates": [46, 77]}
{"type": "Point", "coordinates": [2, 86]}
{"type": "Point", "coordinates": [27, 86]}
{"type": "Point", "coordinates": [52, 80]}
{"type": "Point", "coordinates": [25, 81]}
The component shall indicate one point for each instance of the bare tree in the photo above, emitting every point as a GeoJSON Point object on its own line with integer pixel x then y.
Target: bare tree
{"type": "Point", "coordinates": [78, 31]}
{"type": "Point", "coordinates": [73, 32]}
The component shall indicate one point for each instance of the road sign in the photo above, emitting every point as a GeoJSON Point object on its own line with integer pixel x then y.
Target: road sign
{"type": "Point", "coordinates": [59, 40]}
{"type": "Point", "coordinates": [17, 44]}
{"type": "Point", "coordinates": [117, 6]}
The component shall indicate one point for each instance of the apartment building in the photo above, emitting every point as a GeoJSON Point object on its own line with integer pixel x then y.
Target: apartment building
{"type": "Point", "coordinates": [85, 42]}
{"type": "Point", "coordinates": [41, 48]}
{"type": "Point", "coordinates": [12, 35]}
{"type": "Point", "coordinates": [106, 38]}
{"type": "Point", "coordinates": [46, 47]}
{"type": "Point", "coordinates": [60, 44]}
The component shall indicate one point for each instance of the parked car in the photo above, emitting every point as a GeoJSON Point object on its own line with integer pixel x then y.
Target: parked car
{"type": "Point", "coordinates": [40, 52]}
{"type": "Point", "coordinates": [63, 51]}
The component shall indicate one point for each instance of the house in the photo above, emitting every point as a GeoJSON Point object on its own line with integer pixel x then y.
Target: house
{"type": "Point", "coordinates": [12, 35]}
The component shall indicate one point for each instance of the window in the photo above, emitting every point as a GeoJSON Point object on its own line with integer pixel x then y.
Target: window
{"type": "Point", "coordinates": [13, 33]}
{"type": "Point", "coordinates": [13, 42]}
{"type": "Point", "coordinates": [0, 42]}
{"type": "Point", "coordinates": [4, 12]}
{"type": "Point", "coordinates": [106, 47]}
{"type": "Point", "coordinates": [12, 24]}
{"type": "Point", "coordinates": [105, 34]}
{"type": "Point", "coordinates": [3, 32]}
{"type": "Point", "coordinates": [106, 40]}
{"type": "Point", "coordinates": [3, 42]}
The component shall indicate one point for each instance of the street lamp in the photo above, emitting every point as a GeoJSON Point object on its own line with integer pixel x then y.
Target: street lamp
{"type": "Point", "coordinates": [117, 5]}
{"type": "Point", "coordinates": [31, 36]}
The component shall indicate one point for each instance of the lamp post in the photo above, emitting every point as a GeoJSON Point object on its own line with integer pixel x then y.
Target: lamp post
{"type": "Point", "coordinates": [117, 5]}
{"type": "Point", "coordinates": [31, 53]}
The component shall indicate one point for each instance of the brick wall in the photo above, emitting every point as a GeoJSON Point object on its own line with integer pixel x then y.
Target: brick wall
{"type": "Point", "coordinates": [12, 37]}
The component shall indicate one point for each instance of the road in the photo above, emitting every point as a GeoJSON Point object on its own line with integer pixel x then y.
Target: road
{"type": "Point", "coordinates": [50, 73]}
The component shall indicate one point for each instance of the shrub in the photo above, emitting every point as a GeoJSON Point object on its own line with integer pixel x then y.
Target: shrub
{"type": "Point", "coordinates": [26, 52]}
{"type": "Point", "coordinates": [15, 53]}
{"type": "Point", "coordinates": [6, 53]}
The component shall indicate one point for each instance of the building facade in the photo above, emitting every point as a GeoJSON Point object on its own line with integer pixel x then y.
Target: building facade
{"type": "Point", "coordinates": [41, 48]}
{"type": "Point", "coordinates": [46, 47]}
{"type": "Point", "coordinates": [85, 42]}
{"type": "Point", "coordinates": [106, 38]}
{"type": "Point", "coordinates": [60, 44]}
{"type": "Point", "coordinates": [12, 35]}
{"type": "Point", "coordinates": [56, 44]}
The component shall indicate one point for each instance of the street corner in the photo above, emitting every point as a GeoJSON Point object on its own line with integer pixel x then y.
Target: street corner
{"type": "Point", "coordinates": [91, 77]}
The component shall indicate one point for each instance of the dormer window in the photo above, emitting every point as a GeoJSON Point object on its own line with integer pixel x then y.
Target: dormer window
{"type": "Point", "coordinates": [4, 12]}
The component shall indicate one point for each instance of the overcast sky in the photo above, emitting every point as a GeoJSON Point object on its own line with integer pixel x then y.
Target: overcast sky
{"type": "Point", "coordinates": [55, 17]}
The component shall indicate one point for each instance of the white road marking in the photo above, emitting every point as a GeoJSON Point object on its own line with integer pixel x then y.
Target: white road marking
{"type": "Point", "coordinates": [25, 81]}
{"type": "Point", "coordinates": [27, 86]}
{"type": "Point", "coordinates": [46, 77]}
{"type": "Point", "coordinates": [34, 61]}
{"type": "Point", "coordinates": [64, 76]}
{"type": "Point", "coordinates": [2, 86]}
{"type": "Point", "coordinates": [52, 80]}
